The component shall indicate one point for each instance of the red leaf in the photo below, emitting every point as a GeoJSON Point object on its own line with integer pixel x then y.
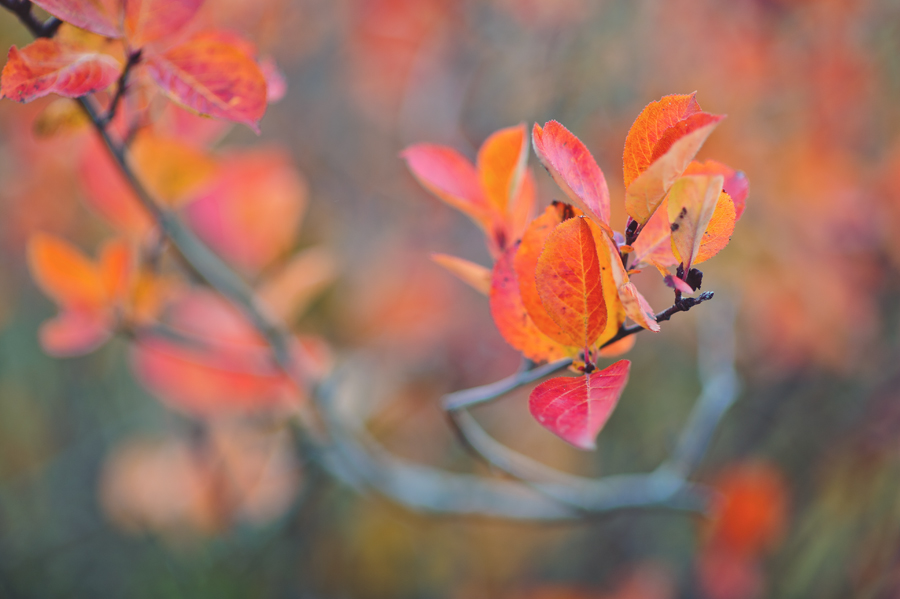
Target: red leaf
{"type": "Point", "coordinates": [511, 318]}
{"type": "Point", "coordinates": [149, 20]}
{"type": "Point", "coordinates": [48, 67]}
{"type": "Point", "coordinates": [451, 177]}
{"type": "Point", "coordinates": [99, 16]}
{"type": "Point", "coordinates": [568, 281]}
{"type": "Point", "coordinates": [213, 77]}
{"type": "Point", "coordinates": [573, 168]}
{"type": "Point", "coordinates": [576, 408]}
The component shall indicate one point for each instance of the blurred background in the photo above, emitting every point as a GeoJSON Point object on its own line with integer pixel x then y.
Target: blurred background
{"type": "Point", "coordinates": [100, 491]}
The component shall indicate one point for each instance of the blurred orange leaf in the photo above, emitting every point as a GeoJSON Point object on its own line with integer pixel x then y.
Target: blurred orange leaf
{"type": "Point", "coordinates": [501, 162]}
{"type": "Point", "coordinates": [171, 170]}
{"type": "Point", "coordinates": [573, 168]}
{"type": "Point", "coordinates": [568, 282]}
{"type": "Point", "coordinates": [576, 408]}
{"type": "Point", "coordinates": [475, 275]}
{"type": "Point", "coordinates": [46, 66]}
{"type": "Point", "coordinates": [213, 77]}
{"type": "Point", "coordinates": [289, 291]}
{"type": "Point", "coordinates": [65, 274]}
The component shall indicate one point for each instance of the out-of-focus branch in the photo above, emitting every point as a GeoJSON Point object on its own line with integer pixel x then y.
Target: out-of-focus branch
{"type": "Point", "coordinates": [667, 486]}
{"type": "Point", "coordinates": [121, 86]}
{"type": "Point", "coordinates": [38, 28]}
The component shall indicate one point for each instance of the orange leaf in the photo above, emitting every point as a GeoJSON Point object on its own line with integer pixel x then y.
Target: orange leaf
{"type": "Point", "coordinates": [451, 177]}
{"type": "Point", "coordinates": [736, 184]}
{"type": "Point", "coordinates": [213, 77]}
{"type": "Point", "coordinates": [475, 275]}
{"type": "Point", "coordinates": [149, 20]}
{"type": "Point", "coordinates": [526, 261]}
{"type": "Point", "coordinates": [99, 16]}
{"type": "Point", "coordinates": [617, 348]}
{"type": "Point", "coordinates": [718, 232]}
{"type": "Point", "coordinates": [305, 276]}
{"type": "Point", "coordinates": [649, 127]}
{"type": "Point", "coordinates": [568, 281]}
{"type": "Point", "coordinates": [171, 170]}
{"type": "Point", "coordinates": [60, 116]}
{"type": "Point", "coordinates": [663, 141]}
{"type": "Point", "coordinates": [573, 168]}
{"type": "Point", "coordinates": [511, 318]}
{"type": "Point", "coordinates": [692, 201]}
{"type": "Point", "coordinates": [576, 408]}
{"type": "Point", "coordinates": [74, 333]}
{"type": "Point", "coordinates": [612, 275]}
{"type": "Point", "coordinates": [46, 66]}
{"type": "Point", "coordinates": [521, 209]}
{"type": "Point", "coordinates": [251, 211]}
{"type": "Point", "coordinates": [115, 268]}
{"type": "Point", "coordinates": [65, 274]}
{"type": "Point", "coordinates": [637, 308]}
{"type": "Point", "coordinates": [501, 162]}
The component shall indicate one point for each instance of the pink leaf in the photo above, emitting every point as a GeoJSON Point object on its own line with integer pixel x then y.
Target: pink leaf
{"type": "Point", "coordinates": [576, 408]}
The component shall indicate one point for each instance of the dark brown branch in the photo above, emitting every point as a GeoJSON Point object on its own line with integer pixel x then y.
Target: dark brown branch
{"type": "Point", "coordinates": [121, 87]}
{"type": "Point", "coordinates": [38, 28]}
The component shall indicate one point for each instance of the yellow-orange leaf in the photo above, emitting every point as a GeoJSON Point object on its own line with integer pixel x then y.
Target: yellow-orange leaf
{"type": "Point", "coordinates": [654, 244]}
{"type": "Point", "coordinates": [172, 170]}
{"type": "Point", "coordinates": [637, 308]}
{"type": "Point", "coordinates": [568, 281]}
{"type": "Point", "coordinates": [501, 162]}
{"type": "Point", "coordinates": [526, 261]}
{"type": "Point", "coordinates": [46, 66]}
{"type": "Point", "coordinates": [649, 127]}
{"type": "Point", "coordinates": [718, 232]}
{"type": "Point", "coordinates": [511, 318]}
{"type": "Point", "coordinates": [475, 275]}
{"type": "Point", "coordinates": [60, 116]}
{"type": "Point", "coordinates": [306, 275]}
{"type": "Point", "coordinates": [212, 76]}
{"type": "Point", "coordinates": [65, 274]}
{"type": "Point", "coordinates": [692, 202]}
{"type": "Point", "coordinates": [612, 275]}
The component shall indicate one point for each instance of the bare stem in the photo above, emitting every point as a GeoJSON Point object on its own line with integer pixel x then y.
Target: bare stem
{"type": "Point", "coordinates": [121, 86]}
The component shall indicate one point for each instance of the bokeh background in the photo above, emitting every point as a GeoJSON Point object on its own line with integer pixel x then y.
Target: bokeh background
{"type": "Point", "coordinates": [97, 498]}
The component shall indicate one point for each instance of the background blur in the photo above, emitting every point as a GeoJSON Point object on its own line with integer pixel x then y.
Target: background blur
{"type": "Point", "coordinates": [811, 90]}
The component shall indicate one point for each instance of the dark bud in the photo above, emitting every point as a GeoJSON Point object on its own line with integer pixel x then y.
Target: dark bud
{"type": "Point", "coordinates": [694, 279]}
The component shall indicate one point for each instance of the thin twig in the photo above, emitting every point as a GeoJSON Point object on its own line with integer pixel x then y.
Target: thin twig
{"type": "Point", "coordinates": [38, 28]}
{"type": "Point", "coordinates": [121, 87]}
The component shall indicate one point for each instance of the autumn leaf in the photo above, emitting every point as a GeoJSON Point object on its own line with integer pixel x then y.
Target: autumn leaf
{"type": "Point", "coordinates": [637, 308]}
{"type": "Point", "coordinates": [451, 177]}
{"type": "Point", "coordinates": [290, 290]}
{"type": "Point", "coordinates": [525, 264]}
{"type": "Point", "coordinates": [171, 170]}
{"type": "Point", "coordinates": [576, 408]}
{"type": "Point", "coordinates": [511, 317]}
{"type": "Point", "coordinates": [250, 211]}
{"type": "Point", "coordinates": [612, 276]}
{"type": "Point", "coordinates": [74, 333]}
{"type": "Point", "coordinates": [501, 164]}
{"type": "Point", "coordinates": [654, 245]}
{"type": "Point", "coordinates": [66, 275]}
{"type": "Point", "coordinates": [692, 202]}
{"type": "Point", "coordinates": [60, 116]}
{"type": "Point", "coordinates": [661, 143]}
{"type": "Point", "coordinates": [568, 281]}
{"type": "Point", "coordinates": [736, 184]}
{"type": "Point", "coordinates": [718, 231]}
{"type": "Point", "coordinates": [149, 20]}
{"type": "Point", "coordinates": [214, 77]}
{"type": "Point", "coordinates": [573, 168]}
{"type": "Point", "coordinates": [99, 16]}
{"type": "Point", "coordinates": [46, 66]}
{"type": "Point", "coordinates": [475, 275]}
